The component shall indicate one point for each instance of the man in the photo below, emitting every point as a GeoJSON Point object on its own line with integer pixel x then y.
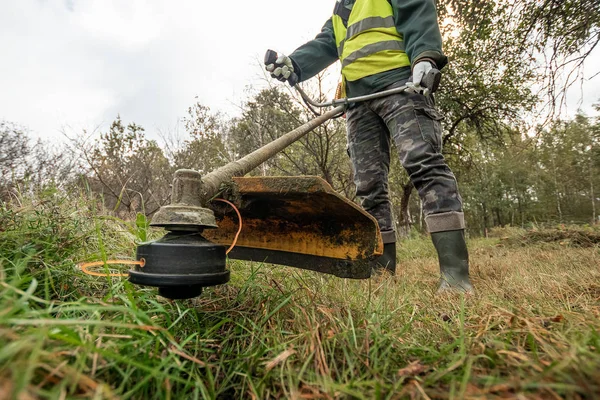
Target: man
{"type": "Point", "coordinates": [380, 44]}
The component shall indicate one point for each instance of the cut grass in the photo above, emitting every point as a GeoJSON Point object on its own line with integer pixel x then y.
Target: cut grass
{"type": "Point", "coordinates": [532, 329]}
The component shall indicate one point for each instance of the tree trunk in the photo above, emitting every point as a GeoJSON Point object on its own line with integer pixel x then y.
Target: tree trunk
{"type": "Point", "coordinates": [558, 208]}
{"type": "Point", "coordinates": [592, 191]}
{"type": "Point", "coordinates": [485, 217]}
{"type": "Point", "coordinates": [521, 214]}
{"type": "Point", "coordinates": [498, 216]}
{"type": "Point", "coordinates": [326, 175]}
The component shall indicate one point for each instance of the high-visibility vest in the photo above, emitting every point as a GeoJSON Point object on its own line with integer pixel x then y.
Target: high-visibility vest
{"type": "Point", "coordinates": [367, 40]}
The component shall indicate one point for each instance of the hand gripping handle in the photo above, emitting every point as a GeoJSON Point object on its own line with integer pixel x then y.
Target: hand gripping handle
{"type": "Point", "coordinates": [431, 81]}
{"type": "Point", "coordinates": [271, 58]}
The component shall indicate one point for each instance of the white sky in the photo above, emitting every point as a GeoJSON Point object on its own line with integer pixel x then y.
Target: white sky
{"type": "Point", "coordinates": [79, 63]}
{"type": "Point", "coordinates": [82, 62]}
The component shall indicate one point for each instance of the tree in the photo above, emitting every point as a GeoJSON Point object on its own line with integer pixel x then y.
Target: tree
{"type": "Point", "coordinates": [130, 172]}
{"type": "Point", "coordinates": [29, 164]}
{"type": "Point", "coordinates": [267, 116]}
{"type": "Point", "coordinates": [272, 113]}
{"type": "Point", "coordinates": [496, 54]}
{"type": "Point", "coordinates": [15, 150]}
{"type": "Point", "coordinates": [555, 37]}
{"type": "Point", "coordinates": [207, 146]}
{"type": "Point", "coordinates": [570, 168]}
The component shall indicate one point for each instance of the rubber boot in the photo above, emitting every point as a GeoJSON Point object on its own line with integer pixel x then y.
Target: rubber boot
{"type": "Point", "coordinates": [454, 261]}
{"type": "Point", "coordinates": [387, 261]}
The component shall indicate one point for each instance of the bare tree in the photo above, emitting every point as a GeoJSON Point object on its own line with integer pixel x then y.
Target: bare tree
{"type": "Point", "coordinates": [28, 164]}
{"type": "Point", "coordinates": [130, 172]}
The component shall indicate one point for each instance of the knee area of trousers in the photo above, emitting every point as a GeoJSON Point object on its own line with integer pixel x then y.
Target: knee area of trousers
{"type": "Point", "coordinates": [375, 188]}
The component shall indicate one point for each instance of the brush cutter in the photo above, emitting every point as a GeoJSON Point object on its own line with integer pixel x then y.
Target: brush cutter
{"type": "Point", "coordinates": [294, 221]}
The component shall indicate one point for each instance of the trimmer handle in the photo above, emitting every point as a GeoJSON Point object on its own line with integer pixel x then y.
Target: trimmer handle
{"type": "Point", "coordinates": [431, 81]}
{"type": "Point", "coordinates": [271, 58]}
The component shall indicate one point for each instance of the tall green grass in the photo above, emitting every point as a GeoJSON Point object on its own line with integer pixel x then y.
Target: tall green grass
{"type": "Point", "coordinates": [531, 330]}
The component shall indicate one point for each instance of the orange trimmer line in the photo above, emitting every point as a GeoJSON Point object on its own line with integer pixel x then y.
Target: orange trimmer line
{"type": "Point", "coordinates": [239, 228]}
{"type": "Point", "coordinates": [84, 266]}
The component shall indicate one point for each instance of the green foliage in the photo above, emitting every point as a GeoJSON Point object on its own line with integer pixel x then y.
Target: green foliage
{"type": "Point", "coordinates": [571, 26]}
{"type": "Point", "coordinates": [208, 146]}
{"type": "Point", "coordinates": [45, 236]}
{"type": "Point", "coordinates": [130, 172]}
{"type": "Point", "coordinates": [552, 37]}
{"type": "Point", "coordinates": [266, 116]}
{"type": "Point", "coordinates": [550, 178]}
{"type": "Point", "coordinates": [569, 168]}
{"type": "Point", "coordinates": [486, 88]}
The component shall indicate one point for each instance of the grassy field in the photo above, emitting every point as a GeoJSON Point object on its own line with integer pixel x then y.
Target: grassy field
{"type": "Point", "coordinates": [531, 331]}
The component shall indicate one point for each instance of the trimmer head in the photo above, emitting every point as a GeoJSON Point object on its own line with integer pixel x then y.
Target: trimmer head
{"type": "Point", "coordinates": [296, 221]}
{"type": "Point", "coordinates": [180, 265]}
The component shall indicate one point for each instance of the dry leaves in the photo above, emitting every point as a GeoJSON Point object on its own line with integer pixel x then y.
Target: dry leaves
{"type": "Point", "coordinates": [413, 369]}
{"type": "Point", "coordinates": [281, 357]}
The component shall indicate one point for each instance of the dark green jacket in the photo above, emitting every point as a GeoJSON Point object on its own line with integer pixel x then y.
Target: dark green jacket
{"type": "Point", "coordinates": [416, 20]}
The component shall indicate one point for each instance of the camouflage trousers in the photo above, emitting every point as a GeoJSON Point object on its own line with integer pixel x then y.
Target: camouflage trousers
{"type": "Point", "coordinates": [413, 123]}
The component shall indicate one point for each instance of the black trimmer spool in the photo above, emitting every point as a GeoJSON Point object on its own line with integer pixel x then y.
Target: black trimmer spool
{"type": "Point", "coordinates": [180, 264]}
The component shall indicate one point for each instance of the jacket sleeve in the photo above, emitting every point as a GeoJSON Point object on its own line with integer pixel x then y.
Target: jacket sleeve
{"type": "Point", "coordinates": [417, 21]}
{"type": "Point", "coordinates": [316, 55]}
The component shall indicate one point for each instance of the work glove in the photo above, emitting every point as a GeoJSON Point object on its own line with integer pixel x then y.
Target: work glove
{"type": "Point", "coordinates": [281, 67]}
{"type": "Point", "coordinates": [425, 78]}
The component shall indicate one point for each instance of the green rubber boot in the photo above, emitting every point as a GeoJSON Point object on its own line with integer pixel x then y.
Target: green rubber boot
{"type": "Point", "coordinates": [387, 261]}
{"type": "Point", "coordinates": [454, 261]}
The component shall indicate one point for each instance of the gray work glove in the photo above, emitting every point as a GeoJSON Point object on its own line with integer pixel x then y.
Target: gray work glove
{"type": "Point", "coordinates": [281, 67]}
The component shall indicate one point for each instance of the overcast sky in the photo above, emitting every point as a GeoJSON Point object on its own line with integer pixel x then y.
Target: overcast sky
{"type": "Point", "coordinates": [79, 63]}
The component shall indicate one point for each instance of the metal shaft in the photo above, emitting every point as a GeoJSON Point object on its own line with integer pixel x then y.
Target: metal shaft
{"type": "Point", "coordinates": [346, 101]}
{"type": "Point", "coordinates": [213, 181]}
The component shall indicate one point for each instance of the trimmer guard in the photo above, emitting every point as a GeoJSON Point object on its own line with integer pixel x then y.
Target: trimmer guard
{"type": "Point", "coordinates": [300, 222]}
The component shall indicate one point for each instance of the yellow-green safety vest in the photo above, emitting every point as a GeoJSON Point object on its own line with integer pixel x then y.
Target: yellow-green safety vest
{"type": "Point", "coordinates": [369, 42]}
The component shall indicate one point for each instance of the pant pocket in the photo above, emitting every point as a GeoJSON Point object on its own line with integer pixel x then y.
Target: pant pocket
{"type": "Point", "coordinates": [429, 120]}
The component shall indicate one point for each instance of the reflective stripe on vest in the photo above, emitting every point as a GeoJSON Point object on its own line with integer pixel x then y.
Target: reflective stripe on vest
{"type": "Point", "coordinates": [370, 44]}
{"type": "Point", "coordinates": [371, 49]}
{"type": "Point", "coordinates": [366, 24]}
